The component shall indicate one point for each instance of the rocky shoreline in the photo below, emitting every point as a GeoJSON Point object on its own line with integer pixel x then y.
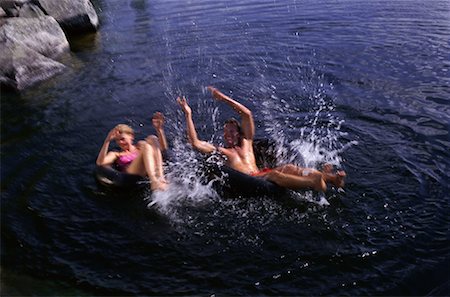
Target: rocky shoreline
{"type": "Point", "coordinates": [33, 35]}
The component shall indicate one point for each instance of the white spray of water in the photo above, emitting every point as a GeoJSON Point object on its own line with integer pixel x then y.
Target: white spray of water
{"type": "Point", "coordinates": [303, 125]}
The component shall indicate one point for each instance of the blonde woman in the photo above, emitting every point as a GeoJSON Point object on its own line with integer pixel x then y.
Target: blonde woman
{"type": "Point", "coordinates": [143, 158]}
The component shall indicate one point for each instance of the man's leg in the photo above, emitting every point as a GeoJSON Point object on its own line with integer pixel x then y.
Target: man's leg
{"type": "Point", "coordinates": [337, 179]}
{"type": "Point", "coordinates": [297, 178]}
{"type": "Point", "coordinates": [295, 182]}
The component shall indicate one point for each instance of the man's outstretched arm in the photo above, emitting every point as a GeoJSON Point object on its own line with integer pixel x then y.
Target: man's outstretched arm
{"type": "Point", "coordinates": [202, 146]}
{"type": "Point", "coordinates": [248, 125]}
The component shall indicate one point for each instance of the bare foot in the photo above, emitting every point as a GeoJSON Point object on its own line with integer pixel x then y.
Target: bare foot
{"type": "Point", "coordinates": [327, 168]}
{"type": "Point", "coordinates": [339, 181]}
{"type": "Point", "coordinates": [158, 185]}
{"type": "Point", "coordinates": [163, 180]}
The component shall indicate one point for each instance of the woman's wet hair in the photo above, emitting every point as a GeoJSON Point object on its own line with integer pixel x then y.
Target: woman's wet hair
{"type": "Point", "coordinates": [123, 128]}
{"type": "Point", "coordinates": [236, 123]}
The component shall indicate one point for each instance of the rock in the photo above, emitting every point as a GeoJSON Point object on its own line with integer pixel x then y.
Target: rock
{"type": "Point", "coordinates": [12, 12]}
{"type": "Point", "coordinates": [27, 49]}
{"type": "Point", "coordinates": [42, 35]}
{"type": "Point", "coordinates": [2, 13]}
{"type": "Point", "coordinates": [22, 67]}
{"type": "Point", "coordinates": [74, 16]}
{"type": "Point", "coordinates": [30, 11]}
{"type": "Point", "coordinates": [6, 4]}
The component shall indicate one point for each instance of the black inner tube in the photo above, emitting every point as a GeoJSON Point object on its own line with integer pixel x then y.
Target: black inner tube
{"type": "Point", "coordinates": [109, 177]}
{"type": "Point", "coordinates": [233, 182]}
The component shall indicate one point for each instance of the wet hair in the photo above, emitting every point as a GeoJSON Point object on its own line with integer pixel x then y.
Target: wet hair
{"type": "Point", "coordinates": [123, 128]}
{"type": "Point", "coordinates": [236, 123]}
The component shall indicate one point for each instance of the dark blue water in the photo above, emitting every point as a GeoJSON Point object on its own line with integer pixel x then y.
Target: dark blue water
{"type": "Point", "coordinates": [362, 84]}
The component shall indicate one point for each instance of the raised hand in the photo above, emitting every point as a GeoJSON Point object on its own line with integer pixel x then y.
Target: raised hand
{"type": "Point", "coordinates": [113, 134]}
{"type": "Point", "coordinates": [184, 105]}
{"type": "Point", "coordinates": [216, 93]}
{"type": "Point", "coordinates": [158, 120]}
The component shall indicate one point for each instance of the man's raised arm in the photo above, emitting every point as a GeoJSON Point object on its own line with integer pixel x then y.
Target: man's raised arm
{"type": "Point", "coordinates": [248, 125]}
{"type": "Point", "coordinates": [198, 144]}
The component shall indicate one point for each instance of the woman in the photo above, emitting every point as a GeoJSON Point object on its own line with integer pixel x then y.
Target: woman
{"type": "Point", "coordinates": [144, 158]}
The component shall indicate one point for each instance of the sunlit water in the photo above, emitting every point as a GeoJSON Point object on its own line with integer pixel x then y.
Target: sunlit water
{"type": "Point", "coordinates": [362, 85]}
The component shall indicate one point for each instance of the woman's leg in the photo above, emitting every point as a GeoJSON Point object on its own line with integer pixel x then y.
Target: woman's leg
{"type": "Point", "coordinates": [157, 155]}
{"type": "Point", "coordinates": [145, 164]}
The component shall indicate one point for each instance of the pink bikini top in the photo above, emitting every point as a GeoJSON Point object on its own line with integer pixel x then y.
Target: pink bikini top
{"type": "Point", "coordinates": [125, 160]}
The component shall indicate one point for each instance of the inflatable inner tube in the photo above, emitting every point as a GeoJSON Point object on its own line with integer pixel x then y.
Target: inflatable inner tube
{"type": "Point", "coordinates": [230, 181]}
{"type": "Point", "coordinates": [233, 182]}
{"type": "Point", "coordinates": [109, 177]}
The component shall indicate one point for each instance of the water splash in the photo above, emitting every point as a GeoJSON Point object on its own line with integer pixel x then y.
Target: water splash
{"type": "Point", "coordinates": [295, 107]}
{"type": "Point", "coordinates": [189, 183]}
{"type": "Point", "coordinates": [303, 123]}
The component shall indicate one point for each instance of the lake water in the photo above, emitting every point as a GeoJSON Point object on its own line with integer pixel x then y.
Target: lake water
{"type": "Point", "coordinates": [362, 84]}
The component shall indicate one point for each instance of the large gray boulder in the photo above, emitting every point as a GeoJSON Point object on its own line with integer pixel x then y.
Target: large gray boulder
{"type": "Point", "coordinates": [27, 49]}
{"type": "Point", "coordinates": [42, 35]}
{"type": "Point", "coordinates": [6, 4]}
{"type": "Point", "coordinates": [21, 67]}
{"type": "Point", "coordinates": [30, 10]}
{"type": "Point", "coordinates": [74, 16]}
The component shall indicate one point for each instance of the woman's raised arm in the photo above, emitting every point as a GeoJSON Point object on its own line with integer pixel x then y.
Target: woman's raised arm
{"type": "Point", "coordinates": [104, 157]}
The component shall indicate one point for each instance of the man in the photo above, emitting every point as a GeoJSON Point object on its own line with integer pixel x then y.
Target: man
{"type": "Point", "coordinates": [240, 156]}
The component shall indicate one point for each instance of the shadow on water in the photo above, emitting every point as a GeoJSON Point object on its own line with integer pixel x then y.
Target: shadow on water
{"type": "Point", "coordinates": [84, 42]}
